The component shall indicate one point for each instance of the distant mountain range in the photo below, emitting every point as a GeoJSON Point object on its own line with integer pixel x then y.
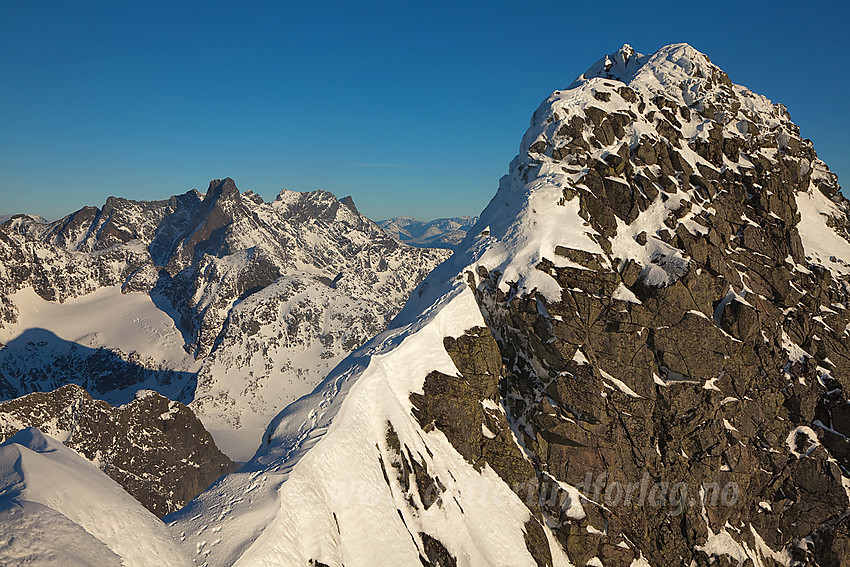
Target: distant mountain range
{"type": "Point", "coordinates": [219, 300]}
{"type": "Point", "coordinates": [438, 233]}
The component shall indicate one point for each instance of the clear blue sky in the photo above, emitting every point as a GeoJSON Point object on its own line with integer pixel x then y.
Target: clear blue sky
{"type": "Point", "coordinates": [412, 108]}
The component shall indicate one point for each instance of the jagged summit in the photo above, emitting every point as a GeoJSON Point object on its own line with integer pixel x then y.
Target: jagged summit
{"type": "Point", "coordinates": [348, 201]}
{"type": "Point", "coordinates": [222, 188]}
{"type": "Point", "coordinates": [618, 66]}
{"type": "Point", "coordinates": [667, 67]}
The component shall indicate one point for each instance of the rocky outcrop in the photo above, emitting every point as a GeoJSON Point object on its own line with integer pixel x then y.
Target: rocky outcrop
{"type": "Point", "coordinates": [702, 346]}
{"type": "Point", "coordinates": [155, 448]}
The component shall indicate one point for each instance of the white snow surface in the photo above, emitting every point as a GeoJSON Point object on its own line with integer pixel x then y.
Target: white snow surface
{"type": "Point", "coordinates": [59, 509]}
{"type": "Point", "coordinates": [821, 242]}
{"type": "Point", "coordinates": [130, 322]}
{"type": "Point", "coordinates": [103, 319]}
{"type": "Point", "coordinates": [318, 474]}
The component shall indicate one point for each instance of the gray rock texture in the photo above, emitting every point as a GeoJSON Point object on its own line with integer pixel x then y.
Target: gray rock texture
{"type": "Point", "coordinates": [710, 354]}
{"type": "Point", "coordinates": [153, 447]}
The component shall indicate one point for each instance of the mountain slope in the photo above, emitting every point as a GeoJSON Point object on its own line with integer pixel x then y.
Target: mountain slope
{"type": "Point", "coordinates": [58, 509]}
{"type": "Point", "coordinates": [153, 447]}
{"type": "Point", "coordinates": [636, 357]}
{"type": "Point", "coordinates": [218, 300]}
{"type": "Point", "coordinates": [353, 448]}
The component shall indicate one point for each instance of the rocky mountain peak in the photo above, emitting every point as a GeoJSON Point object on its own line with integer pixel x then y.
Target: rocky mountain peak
{"type": "Point", "coordinates": [657, 296]}
{"type": "Point", "coordinates": [348, 201]}
{"type": "Point", "coordinates": [673, 125]}
{"type": "Point", "coordinates": [618, 65]}
{"type": "Point", "coordinates": [222, 188]}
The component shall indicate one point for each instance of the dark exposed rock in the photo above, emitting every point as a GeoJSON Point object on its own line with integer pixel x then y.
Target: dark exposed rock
{"type": "Point", "coordinates": [437, 554]}
{"type": "Point", "coordinates": [454, 406]}
{"type": "Point", "coordinates": [537, 544]}
{"type": "Point", "coordinates": [537, 147]}
{"type": "Point", "coordinates": [730, 375]}
{"type": "Point", "coordinates": [154, 447]}
{"type": "Point", "coordinates": [628, 94]}
{"type": "Point", "coordinates": [349, 202]}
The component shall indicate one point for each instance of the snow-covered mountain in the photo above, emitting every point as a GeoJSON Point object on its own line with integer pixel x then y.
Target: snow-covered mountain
{"type": "Point", "coordinates": [438, 233]}
{"type": "Point", "coordinates": [57, 509]}
{"type": "Point", "coordinates": [219, 300]}
{"type": "Point", "coordinates": [154, 447]}
{"type": "Point", "coordinates": [637, 357]}
{"type": "Point", "coordinates": [36, 218]}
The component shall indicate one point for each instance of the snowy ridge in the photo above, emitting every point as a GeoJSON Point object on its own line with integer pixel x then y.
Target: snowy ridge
{"type": "Point", "coordinates": [320, 470]}
{"type": "Point", "coordinates": [46, 488]}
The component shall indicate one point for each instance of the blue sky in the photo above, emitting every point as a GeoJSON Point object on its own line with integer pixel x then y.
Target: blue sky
{"type": "Point", "coordinates": [412, 108]}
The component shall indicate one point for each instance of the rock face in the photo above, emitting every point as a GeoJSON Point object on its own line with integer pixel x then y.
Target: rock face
{"type": "Point", "coordinates": [218, 300]}
{"type": "Point", "coordinates": [156, 449]}
{"type": "Point", "coordinates": [438, 233]}
{"type": "Point", "coordinates": [699, 335]}
{"type": "Point", "coordinates": [637, 357]}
